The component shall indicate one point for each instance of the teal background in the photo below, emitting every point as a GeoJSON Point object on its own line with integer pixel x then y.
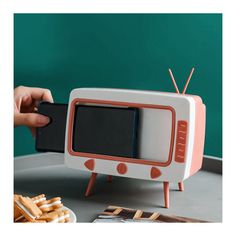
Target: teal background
{"type": "Point", "coordinates": [66, 51]}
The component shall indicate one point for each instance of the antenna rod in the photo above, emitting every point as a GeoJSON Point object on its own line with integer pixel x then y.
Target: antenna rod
{"type": "Point", "coordinates": [188, 80]}
{"type": "Point", "coordinates": [173, 80]}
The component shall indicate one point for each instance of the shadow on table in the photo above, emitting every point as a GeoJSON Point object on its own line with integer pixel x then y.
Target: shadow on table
{"type": "Point", "coordinates": [120, 191]}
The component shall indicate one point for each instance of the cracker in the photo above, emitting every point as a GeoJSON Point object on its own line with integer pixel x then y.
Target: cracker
{"type": "Point", "coordinates": [28, 208]}
{"type": "Point", "coordinates": [50, 205]}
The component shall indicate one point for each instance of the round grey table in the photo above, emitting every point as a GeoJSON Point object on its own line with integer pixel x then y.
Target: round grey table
{"type": "Point", "coordinates": [46, 173]}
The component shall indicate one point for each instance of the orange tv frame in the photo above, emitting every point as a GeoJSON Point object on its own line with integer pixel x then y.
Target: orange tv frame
{"type": "Point", "coordinates": [116, 158]}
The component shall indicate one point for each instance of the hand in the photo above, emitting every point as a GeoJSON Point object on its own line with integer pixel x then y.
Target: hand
{"type": "Point", "coordinates": [26, 100]}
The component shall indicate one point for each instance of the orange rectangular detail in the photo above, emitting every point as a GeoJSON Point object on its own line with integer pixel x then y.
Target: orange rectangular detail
{"type": "Point", "coordinates": [182, 128]}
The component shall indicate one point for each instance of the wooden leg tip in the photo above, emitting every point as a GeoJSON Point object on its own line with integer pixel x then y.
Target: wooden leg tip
{"type": "Point", "coordinates": [166, 194]}
{"type": "Point", "coordinates": [181, 186]}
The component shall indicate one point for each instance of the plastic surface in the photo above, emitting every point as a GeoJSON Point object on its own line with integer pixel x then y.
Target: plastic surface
{"type": "Point", "coordinates": [52, 136]}
{"type": "Point", "coordinates": [163, 112]}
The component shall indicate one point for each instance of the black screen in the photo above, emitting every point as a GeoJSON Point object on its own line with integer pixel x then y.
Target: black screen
{"type": "Point", "coordinates": [105, 130]}
{"type": "Point", "coordinates": [52, 136]}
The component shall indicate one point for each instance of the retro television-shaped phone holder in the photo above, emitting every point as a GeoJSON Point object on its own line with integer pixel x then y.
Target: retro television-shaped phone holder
{"type": "Point", "coordinates": [172, 132]}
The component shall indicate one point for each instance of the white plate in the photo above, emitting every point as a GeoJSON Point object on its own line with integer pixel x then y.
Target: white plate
{"type": "Point", "coordinates": [73, 218]}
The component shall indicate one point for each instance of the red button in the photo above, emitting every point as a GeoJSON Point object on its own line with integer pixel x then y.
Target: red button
{"type": "Point", "coordinates": [122, 168]}
{"type": "Point", "coordinates": [155, 173]}
{"type": "Point", "coordinates": [90, 164]}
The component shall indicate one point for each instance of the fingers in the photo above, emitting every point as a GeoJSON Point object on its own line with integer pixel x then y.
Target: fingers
{"type": "Point", "coordinates": [37, 94]}
{"type": "Point", "coordinates": [30, 120]}
{"type": "Point", "coordinates": [26, 99]}
{"type": "Point", "coordinates": [41, 94]}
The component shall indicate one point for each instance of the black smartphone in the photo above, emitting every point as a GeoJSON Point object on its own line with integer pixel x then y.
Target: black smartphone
{"type": "Point", "coordinates": [106, 130]}
{"type": "Point", "coordinates": [51, 137]}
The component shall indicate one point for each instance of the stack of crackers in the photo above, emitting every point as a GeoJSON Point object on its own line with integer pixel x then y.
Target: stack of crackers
{"type": "Point", "coordinates": [39, 210]}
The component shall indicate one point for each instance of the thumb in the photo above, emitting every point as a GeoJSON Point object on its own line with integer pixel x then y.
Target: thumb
{"type": "Point", "coordinates": [31, 119]}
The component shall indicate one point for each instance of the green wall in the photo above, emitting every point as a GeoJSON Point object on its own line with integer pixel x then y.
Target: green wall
{"type": "Point", "coordinates": [66, 51]}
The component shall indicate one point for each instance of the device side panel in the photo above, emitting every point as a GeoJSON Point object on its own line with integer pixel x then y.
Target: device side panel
{"type": "Point", "coordinates": [199, 138]}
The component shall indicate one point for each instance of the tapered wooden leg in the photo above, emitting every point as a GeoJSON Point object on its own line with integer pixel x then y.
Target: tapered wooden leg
{"type": "Point", "coordinates": [90, 184]}
{"type": "Point", "coordinates": [166, 194]}
{"type": "Point", "coordinates": [181, 186]}
{"type": "Point", "coordinates": [109, 178]}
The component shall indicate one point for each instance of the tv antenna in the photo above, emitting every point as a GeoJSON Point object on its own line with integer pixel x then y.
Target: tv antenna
{"type": "Point", "coordinates": [186, 84]}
